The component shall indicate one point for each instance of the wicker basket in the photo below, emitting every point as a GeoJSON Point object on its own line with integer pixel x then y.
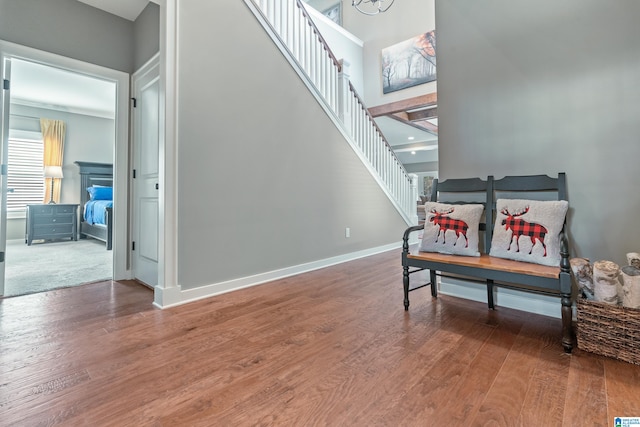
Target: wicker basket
{"type": "Point", "coordinates": [609, 330]}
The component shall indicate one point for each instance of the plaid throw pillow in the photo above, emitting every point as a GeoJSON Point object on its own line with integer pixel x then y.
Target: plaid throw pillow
{"type": "Point", "coordinates": [528, 230]}
{"type": "Point", "coordinates": [451, 229]}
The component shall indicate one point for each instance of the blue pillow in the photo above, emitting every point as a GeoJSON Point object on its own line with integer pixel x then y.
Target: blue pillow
{"type": "Point", "coordinates": [100, 193]}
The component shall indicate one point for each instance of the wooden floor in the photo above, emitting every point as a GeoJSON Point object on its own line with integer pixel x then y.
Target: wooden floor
{"type": "Point", "coordinates": [332, 347]}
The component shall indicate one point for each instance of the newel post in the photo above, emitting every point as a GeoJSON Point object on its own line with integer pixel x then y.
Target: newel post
{"type": "Point", "coordinates": [344, 113]}
{"type": "Point", "coordinates": [413, 198]}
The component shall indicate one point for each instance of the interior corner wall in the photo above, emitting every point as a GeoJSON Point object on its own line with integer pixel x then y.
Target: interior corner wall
{"type": "Point", "coordinates": [404, 20]}
{"type": "Point", "coordinates": [71, 29]}
{"type": "Point", "coordinates": [265, 179]}
{"type": "Point", "coordinates": [547, 87]}
{"type": "Point", "coordinates": [146, 35]}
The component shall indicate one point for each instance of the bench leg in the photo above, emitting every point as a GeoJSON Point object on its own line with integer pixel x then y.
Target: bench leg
{"type": "Point", "coordinates": [405, 284]}
{"type": "Point", "coordinates": [490, 294]}
{"type": "Point", "coordinates": [567, 328]}
{"type": "Point", "coordinates": [434, 283]}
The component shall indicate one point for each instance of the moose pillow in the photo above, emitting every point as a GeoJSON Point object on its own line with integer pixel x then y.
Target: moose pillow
{"type": "Point", "coordinates": [451, 229]}
{"type": "Point", "coordinates": [528, 230]}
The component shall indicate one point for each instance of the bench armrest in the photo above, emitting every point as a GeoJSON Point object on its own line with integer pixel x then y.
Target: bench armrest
{"type": "Point", "coordinates": [405, 236]}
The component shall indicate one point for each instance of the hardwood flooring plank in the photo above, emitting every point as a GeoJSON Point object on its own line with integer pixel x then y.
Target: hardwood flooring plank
{"type": "Point", "coordinates": [548, 385]}
{"type": "Point", "coordinates": [503, 403]}
{"type": "Point", "coordinates": [328, 347]}
{"type": "Point", "coordinates": [623, 389]}
{"type": "Point", "coordinates": [586, 403]}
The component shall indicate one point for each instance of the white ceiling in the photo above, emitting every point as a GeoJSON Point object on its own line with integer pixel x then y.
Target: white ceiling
{"type": "Point", "coordinates": [410, 144]}
{"type": "Point", "coordinates": [127, 9]}
{"type": "Point", "coordinates": [43, 86]}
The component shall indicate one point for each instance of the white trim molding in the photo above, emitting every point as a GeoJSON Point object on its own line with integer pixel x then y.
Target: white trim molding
{"type": "Point", "coordinates": [10, 50]}
{"type": "Point", "coordinates": [508, 298]}
{"type": "Point", "coordinates": [176, 296]}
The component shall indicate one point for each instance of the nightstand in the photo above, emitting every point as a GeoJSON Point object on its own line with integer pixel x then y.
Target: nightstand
{"type": "Point", "coordinates": [51, 222]}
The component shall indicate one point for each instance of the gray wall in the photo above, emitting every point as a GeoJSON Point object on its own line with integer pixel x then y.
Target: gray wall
{"type": "Point", "coordinates": [265, 180]}
{"type": "Point", "coordinates": [69, 28]}
{"type": "Point", "coordinates": [88, 138]}
{"type": "Point", "coordinates": [146, 35]}
{"type": "Point", "coordinates": [544, 87]}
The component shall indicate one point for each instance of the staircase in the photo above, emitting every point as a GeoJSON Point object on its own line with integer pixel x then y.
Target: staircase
{"type": "Point", "coordinates": [293, 31]}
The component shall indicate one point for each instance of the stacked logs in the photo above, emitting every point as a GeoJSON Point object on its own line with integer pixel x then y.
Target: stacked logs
{"type": "Point", "coordinates": [606, 282]}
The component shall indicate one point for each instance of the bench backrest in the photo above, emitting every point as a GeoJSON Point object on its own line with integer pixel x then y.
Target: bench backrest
{"type": "Point", "coordinates": [464, 191]}
{"type": "Point", "coordinates": [487, 192]}
{"type": "Point", "coordinates": [535, 187]}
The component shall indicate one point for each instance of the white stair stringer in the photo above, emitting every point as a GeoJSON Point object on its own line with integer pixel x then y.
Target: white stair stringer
{"type": "Point", "coordinates": [293, 32]}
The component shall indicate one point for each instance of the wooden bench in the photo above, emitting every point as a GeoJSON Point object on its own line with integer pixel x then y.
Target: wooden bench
{"type": "Point", "coordinates": [489, 270]}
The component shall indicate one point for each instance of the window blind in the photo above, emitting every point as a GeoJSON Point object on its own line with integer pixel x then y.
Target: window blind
{"type": "Point", "coordinates": [24, 173]}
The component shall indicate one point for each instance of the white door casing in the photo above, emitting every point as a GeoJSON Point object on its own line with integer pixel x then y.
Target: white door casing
{"type": "Point", "coordinates": [146, 134]}
{"type": "Point", "coordinates": [5, 66]}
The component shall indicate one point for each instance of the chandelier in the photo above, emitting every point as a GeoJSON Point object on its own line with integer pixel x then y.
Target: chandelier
{"type": "Point", "coordinates": [372, 7]}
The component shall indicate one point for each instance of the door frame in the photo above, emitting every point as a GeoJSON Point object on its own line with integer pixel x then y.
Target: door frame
{"type": "Point", "coordinates": [121, 268]}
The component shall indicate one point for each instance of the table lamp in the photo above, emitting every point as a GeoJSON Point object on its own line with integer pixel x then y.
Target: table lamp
{"type": "Point", "coordinates": [53, 172]}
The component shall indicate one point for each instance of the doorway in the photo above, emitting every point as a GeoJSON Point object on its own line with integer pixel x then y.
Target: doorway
{"type": "Point", "coordinates": [11, 54]}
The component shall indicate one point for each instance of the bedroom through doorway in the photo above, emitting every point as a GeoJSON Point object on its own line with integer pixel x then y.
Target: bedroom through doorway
{"type": "Point", "coordinates": [45, 248]}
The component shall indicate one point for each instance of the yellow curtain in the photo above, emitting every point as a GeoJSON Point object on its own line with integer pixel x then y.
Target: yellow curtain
{"type": "Point", "coordinates": [53, 132]}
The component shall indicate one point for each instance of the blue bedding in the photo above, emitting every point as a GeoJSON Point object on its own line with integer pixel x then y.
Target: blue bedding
{"type": "Point", "coordinates": [95, 211]}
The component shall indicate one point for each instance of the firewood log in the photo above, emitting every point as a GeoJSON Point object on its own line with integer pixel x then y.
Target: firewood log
{"type": "Point", "coordinates": [605, 281]}
{"type": "Point", "coordinates": [631, 286]}
{"type": "Point", "coordinates": [583, 273]}
{"type": "Point", "coordinates": [633, 259]}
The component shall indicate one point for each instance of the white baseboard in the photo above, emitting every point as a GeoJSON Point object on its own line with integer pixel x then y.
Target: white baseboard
{"type": "Point", "coordinates": [509, 298]}
{"type": "Point", "coordinates": [172, 296]}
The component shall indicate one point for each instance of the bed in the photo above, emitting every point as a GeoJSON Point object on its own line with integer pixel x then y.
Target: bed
{"type": "Point", "coordinates": [96, 201]}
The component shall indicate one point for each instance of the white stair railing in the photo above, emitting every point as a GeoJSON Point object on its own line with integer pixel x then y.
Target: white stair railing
{"type": "Point", "coordinates": [291, 27]}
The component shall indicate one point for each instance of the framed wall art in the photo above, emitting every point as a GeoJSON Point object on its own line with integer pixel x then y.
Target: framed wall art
{"type": "Point", "coordinates": [409, 63]}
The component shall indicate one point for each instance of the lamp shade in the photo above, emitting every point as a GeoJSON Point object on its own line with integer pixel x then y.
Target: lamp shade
{"type": "Point", "coordinates": [53, 172]}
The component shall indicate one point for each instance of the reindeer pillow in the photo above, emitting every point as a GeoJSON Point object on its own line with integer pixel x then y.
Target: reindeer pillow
{"type": "Point", "coordinates": [451, 229]}
{"type": "Point", "coordinates": [528, 230]}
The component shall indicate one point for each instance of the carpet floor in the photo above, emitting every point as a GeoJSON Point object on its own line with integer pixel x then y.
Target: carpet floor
{"type": "Point", "coordinates": [45, 266]}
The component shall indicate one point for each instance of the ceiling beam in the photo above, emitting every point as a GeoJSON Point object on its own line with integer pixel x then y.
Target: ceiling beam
{"type": "Point", "coordinates": [423, 125]}
{"type": "Point", "coordinates": [430, 99]}
{"type": "Point", "coordinates": [427, 113]}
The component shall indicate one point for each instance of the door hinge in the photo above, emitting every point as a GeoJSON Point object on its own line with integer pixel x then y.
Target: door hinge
{"type": "Point", "coordinates": [134, 173]}
{"type": "Point", "coordinates": [135, 102]}
{"type": "Point", "coordinates": [133, 246]}
{"type": "Point", "coordinates": [5, 84]}
{"type": "Point", "coordinates": [1, 256]}
{"type": "Point", "coordinates": [3, 170]}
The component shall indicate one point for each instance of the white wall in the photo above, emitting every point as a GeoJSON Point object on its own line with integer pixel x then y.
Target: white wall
{"type": "Point", "coordinates": [265, 180]}
{"type": "Point", "coordinates": [404, 20]}
{"type": "Point", "coordinates": [344, 45]}
{"type": "Point", "coordinates": [545, 87]}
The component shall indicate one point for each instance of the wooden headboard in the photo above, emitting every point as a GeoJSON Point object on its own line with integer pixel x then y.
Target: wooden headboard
{"type": "Point", "coordinates": [93, 174]}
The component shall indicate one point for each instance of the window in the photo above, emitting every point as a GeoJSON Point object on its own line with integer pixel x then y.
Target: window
{"type": "Point", "coordinates": [25, 179]}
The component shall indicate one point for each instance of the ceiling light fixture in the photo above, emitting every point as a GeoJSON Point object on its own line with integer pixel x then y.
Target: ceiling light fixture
{"type": "Point", "coordinates": [372, 7]}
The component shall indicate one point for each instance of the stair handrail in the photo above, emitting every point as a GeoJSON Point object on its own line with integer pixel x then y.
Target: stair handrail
{"type": "Point", "coordinates": [375, 125]}
{"type": "Point", "coordinates": [310, 22]}
{"type": "Point", "coordinates": [330, 84]}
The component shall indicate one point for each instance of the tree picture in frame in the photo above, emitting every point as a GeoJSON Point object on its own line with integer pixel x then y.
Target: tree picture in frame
{"type": "Point", "coordinates": [334, 13]}
{"type": "Point", "coordinates": [409, 63]}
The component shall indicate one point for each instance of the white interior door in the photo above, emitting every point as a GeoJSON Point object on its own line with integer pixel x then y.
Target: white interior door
{"type": "Point", "coordinates": [146, 131]}
{"type": "Point", "coordinates": [5, 66]}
